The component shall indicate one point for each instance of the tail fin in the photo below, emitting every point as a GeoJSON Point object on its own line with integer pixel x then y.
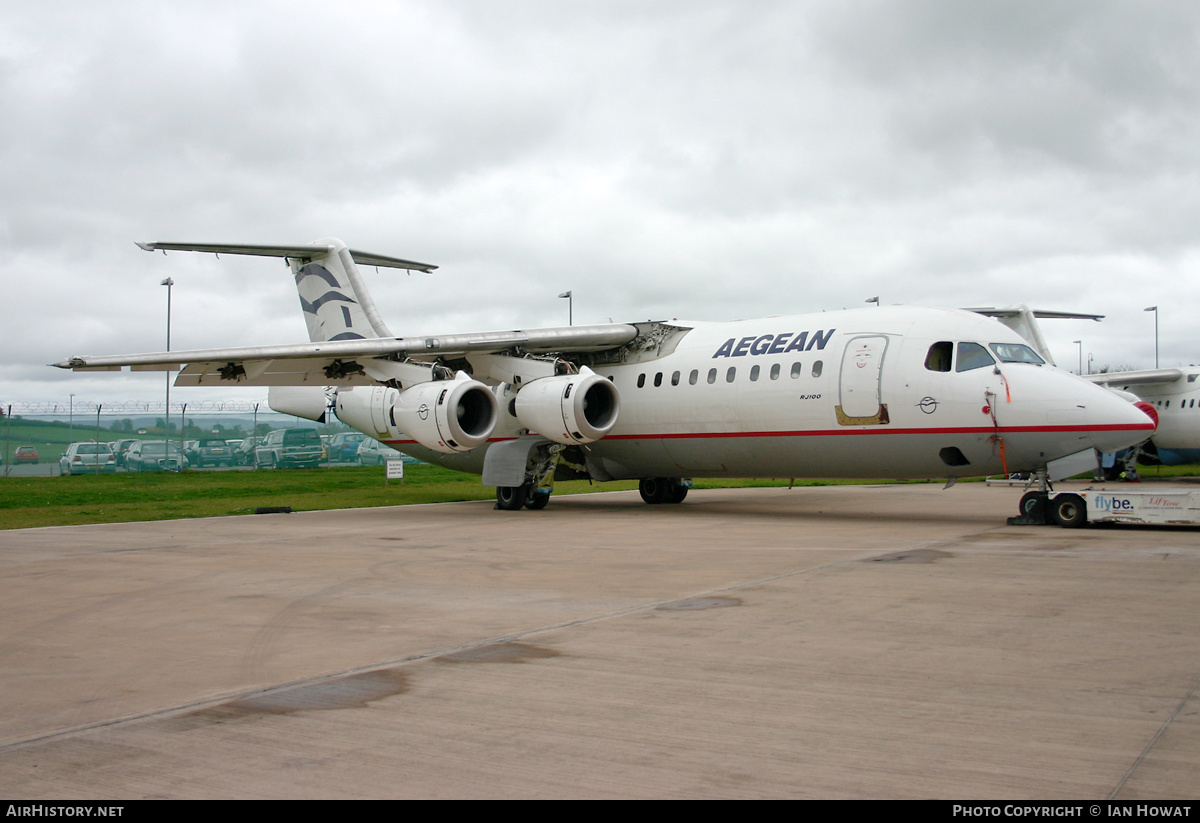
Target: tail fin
{"type": "Point", "coordinates": [333, 296]}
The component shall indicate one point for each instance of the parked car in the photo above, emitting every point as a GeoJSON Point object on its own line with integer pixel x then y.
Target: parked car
{"type": "Point", "coordinates": [208, 451]}
{"type": "Point", "coordinates": [87, 458]}
{"type": "Point", "coordinates": [343, 446]}
{"type": "Point", "coordinates": [243, 455]}
{"type": "Point", "coordinates": [154, 456]}
{"type": "Point", "coordinates": [121, 447]}
{"type": "Point", "coordinates": [25, 454]}
{"type": "Point", "coordinates": [289, 447]}
{"type": "Point", "coordinates": [373, 453]}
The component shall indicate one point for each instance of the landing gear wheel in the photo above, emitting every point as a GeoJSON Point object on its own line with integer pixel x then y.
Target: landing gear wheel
{"type": "Point", "coordinates": [538, 500]}
{"type": "Point", "coordinates": [512, 498]}
{"type": "Point", "coordinates": [655, 490]}
{"type": "Point", "coordinates": [678, 492]}
{"type": "Point", "coordinates": [1069, 511]}
{"type": "Point", "coordinates": [1034, 506]}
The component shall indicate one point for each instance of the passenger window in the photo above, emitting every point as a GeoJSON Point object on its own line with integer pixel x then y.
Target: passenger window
{"type": "Point", "coordinates": [657, 380]}
{"type": "Point", "coordinates": [753, 373]}
{"type": "Point", "coordinates": [675, 379]}
{"type": "Point", "coordinates": [693, 377]}
{"type": "Point", "coordinates": [712, 375]}
{"type": "Point", "coordinates": [641, 380]}
{"type": "Point", "coordinates": [972, 356]}
{"type": "Point", "coordinates": [795, 371]}
{"type": "Point", "coordinates": [729, 375]}
{"type": "Point", "coordinates": [775, 372]}
{"type": "Point", "coordinates": [817, 367]}
{"type": "Point", "coordinates": [939, 355]}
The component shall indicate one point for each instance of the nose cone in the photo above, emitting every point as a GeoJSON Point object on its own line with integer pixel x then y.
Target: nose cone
{"type": "Point", "coordinates": [1115, 423]}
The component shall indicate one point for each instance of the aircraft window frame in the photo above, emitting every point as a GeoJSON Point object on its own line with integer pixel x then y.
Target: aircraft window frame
{"type": "Point", "coordinates": [675, 378]}
{"type": "Point", "coordinates": [712, 376]}
{"type": "Point", "coordinates": [775, 371]}
{"type": "Point", "coordinates": [641, 381]}
{"type": "Point", "coordinates": [818, 367]}
{"type": "Point", "coordinates": [693, 377]}
{"type": "Point", "coordinates": [657, 379]}
{"type": "Point", "coordinates": [754, 371]}
{"type": "Point", "coordinates": [797, 370]}
{"type": "Point", "coordinates": [969, 356]}
{"type": "Point", "coordinates": [731, 374]}
{"type": "Point", "coordinates": [1016, 353]}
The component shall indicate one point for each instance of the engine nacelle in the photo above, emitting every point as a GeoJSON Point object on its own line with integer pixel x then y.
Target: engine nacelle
{"type": "Point", "coordinates": [447, 415]}
{"type": "Point", "coordinates": [308, 402]}
{"type": "Point", "coordinates": [569, 408]}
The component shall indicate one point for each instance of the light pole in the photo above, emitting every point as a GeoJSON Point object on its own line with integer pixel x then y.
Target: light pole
{"type": "Point", "coordinates": [167, 411]}
{"type": "Point", "coordinates": [1155, 310]}
{"type": "Point", "coordinates": [570, 307]}
{"type": "Point", "coordinates": [71, 413]}
{"type": "Point", "coordinates": [1080, 344]}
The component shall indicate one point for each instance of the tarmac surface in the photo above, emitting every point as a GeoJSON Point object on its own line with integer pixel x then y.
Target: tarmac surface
{"type": "Point", "coordinates": [823, 642]}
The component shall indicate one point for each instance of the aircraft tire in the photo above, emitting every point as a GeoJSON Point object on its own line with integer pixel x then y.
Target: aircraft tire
{"type": "Point", "coordinates": [1069, 511]}
{"type": "Point", "coordinates": [512, 498]}
{"type": "Point", "coordinates": [678, 493]}
{"type": "Point", "coordinates": [537, 500]}
{"type": "Point", "coordinates": [655, 490]}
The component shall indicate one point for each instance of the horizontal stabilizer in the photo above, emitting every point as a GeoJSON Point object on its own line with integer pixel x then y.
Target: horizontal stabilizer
{"type": "Point", "coordinates": [310, 251]}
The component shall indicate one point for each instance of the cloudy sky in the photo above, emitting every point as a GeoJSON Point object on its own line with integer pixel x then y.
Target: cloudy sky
{"type": "Point", "coordinates": [693, 160]}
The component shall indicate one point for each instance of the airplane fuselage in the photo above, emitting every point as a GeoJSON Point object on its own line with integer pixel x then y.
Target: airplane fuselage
{"type": "Point", "coordinates": [898, 392]}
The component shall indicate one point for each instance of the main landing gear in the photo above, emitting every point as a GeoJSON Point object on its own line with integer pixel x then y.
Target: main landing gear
{"type": "Point", "coordinates": [655, 490]}
{"type": "Point", "coordinates": [514, 498]}
{"type": "Point", "coordinates": [534, 493]}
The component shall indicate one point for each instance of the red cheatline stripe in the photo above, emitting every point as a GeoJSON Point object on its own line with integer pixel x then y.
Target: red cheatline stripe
{"type": "Point", "coordinates": [855, 431]}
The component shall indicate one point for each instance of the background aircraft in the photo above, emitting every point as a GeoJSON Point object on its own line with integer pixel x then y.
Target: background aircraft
{"type": "Point", "coordinates": [898, 391]}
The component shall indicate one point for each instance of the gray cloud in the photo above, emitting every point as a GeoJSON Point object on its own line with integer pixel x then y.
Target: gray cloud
{"type": "Point", "coordinates": [706, 160]}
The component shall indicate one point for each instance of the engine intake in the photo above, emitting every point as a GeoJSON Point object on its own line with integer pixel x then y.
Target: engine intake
{"type": "Point", "coordinates": [447, 415]}
{"type": "Point", "coordinates": [569, 408]}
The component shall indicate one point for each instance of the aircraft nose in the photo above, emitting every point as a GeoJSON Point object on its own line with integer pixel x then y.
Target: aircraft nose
{"type": "Point", "coordinates": [1117, 424]}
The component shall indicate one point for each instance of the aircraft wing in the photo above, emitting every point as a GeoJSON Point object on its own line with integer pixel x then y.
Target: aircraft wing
{"type": "Point", "coordinates": [1139, 378]}
{"type": "Point", "coordinates": [348, 362]}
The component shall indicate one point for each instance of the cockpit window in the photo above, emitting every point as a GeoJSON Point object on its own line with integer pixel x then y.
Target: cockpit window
{"type": "Point", "coordinates": [1016, 353]}
{"type": "Point", "coordinates": [939, 356]}
{"type": "Point", "coordinates": [972, 356]}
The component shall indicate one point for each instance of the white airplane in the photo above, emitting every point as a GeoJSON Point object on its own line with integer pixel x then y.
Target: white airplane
{"type": "Point", "coordinates": [875, 392]}
{"type": "Point", "coordinates": [1173, 394]}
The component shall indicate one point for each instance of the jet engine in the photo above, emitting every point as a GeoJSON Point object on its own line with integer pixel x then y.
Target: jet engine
{"type": "Point", "coordinates": [308, 402]}
{"type": "Point", "coordinates": [569, 408]}
{"type": "Point", "coordinates": [446, 415]}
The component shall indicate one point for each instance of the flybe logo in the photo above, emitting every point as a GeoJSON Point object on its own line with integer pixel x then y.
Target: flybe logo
{"type": "Point", "coordinates": [789, 341]}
